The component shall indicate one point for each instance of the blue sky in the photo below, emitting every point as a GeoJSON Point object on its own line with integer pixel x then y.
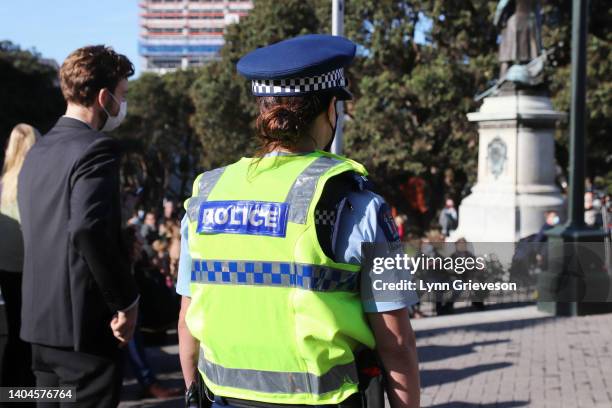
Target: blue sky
{"type": "Point", "coordinates": [57, 27]}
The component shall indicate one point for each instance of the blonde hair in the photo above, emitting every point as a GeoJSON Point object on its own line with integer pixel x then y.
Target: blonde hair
{"type": "Point", "coordinates": [21, 140]}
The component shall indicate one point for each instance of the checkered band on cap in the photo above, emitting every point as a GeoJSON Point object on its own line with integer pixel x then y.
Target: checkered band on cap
{"type": "Point", "coordinates": [298, 86]}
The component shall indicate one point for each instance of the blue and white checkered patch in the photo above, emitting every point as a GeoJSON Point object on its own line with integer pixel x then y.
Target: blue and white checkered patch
{"type": "Point", "coordinates": [243, 217]}
{"type": "Point", "coordinates": [278, 274]}
{"type": "Point", "coordinates": [298, 86]}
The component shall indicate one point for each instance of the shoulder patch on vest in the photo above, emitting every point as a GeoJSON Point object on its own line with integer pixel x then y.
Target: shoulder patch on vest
{"type": "Point", "coordinates": [387, 224]}
{"type": "Point", "coordinates": [243, 217]}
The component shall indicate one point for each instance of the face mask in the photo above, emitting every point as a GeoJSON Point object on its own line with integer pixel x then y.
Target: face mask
{"type": "Point", "coordinates": [555, 220]}
{"type": "Point", "coordinates": [113, 122]}
{"type": "Point", "coordinates": [597, 203]}
{"type": "Point", "coordinates": [333, 128]}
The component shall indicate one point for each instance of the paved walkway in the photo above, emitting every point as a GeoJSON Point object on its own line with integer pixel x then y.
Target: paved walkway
{"type": "Point", "coordinates": [168, 370]}
{"type": "Point", "coordinates": [515, 357]}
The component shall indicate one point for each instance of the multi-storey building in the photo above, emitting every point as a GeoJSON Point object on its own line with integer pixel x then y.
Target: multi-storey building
{"type": "Point", "coordinates": [185, 33]}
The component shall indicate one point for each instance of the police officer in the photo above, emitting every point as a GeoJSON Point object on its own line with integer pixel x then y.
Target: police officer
{"type": "Point", "coordinates": [271, 252]}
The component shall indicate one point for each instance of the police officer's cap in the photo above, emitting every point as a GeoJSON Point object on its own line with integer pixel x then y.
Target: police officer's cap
{"type": "Point", "coordinates": [298, 66]}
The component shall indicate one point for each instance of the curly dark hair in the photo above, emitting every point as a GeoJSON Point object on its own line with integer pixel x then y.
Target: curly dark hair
{"type": "Point", "coordinates": [285, 120]}
{"type": "Point", "coordinates": [89, 69]}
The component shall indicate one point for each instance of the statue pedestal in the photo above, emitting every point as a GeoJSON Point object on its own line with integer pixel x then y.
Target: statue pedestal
{"type": "Point", "coordinates": [516, 169]}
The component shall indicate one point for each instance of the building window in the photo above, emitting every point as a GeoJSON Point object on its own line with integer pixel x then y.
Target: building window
{"type": "Point", "coordinates": [162, 17]}
{"type": "Point", "coordinates": [196, 62]}
{"type": "Point", "coordinates": [165, 63]}
{"type": "Point", "coordinates": [206, 30]}
{"type": "Point", "coordinates": [165, 11]}
{"type": "Point", "coordinates": [206, 11]}
{"type": "Point", "coordinates": [156, 30]}
{"type": "Point", "coordinates": [216, 17]}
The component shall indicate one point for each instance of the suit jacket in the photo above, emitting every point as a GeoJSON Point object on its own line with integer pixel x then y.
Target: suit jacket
{"type": "Point", "coordinates": [76, 275]}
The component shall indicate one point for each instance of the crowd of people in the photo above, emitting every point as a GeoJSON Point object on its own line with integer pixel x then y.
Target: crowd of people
{"type": "Point", "coordinates": [430, 227]}
{"type": "Point", "coordinates": [161, 238]}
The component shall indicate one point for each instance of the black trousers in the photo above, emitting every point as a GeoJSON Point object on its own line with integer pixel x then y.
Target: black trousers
{"type": "Point", "coordinates": [97, 377]}
{"type": "Point", "coordinates": [16, 359]}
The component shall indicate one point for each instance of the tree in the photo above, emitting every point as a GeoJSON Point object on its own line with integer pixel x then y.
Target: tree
{"type": "Point", "coordinates": [408, 117]}
{"type": "Point", "coordinates": [411, 98]}
{"type": "Point", "coordinates": [160, 148]}
{"type": "Point", "coordinates": [557, 34]}
{"type": "Point", "coordinates": [224, 106]}
{"type": "Point", "coordinates": [29, 91]}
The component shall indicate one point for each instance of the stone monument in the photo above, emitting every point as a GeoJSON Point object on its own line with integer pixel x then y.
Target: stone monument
{"type": "Point", "coordinates": [516, 123]}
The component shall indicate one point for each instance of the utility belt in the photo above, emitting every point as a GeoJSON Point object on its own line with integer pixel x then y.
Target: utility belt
{"type": "Point", "coordinates": [370, 395]}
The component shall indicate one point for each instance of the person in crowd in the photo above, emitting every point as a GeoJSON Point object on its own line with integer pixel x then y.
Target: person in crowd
{"type": "Point", "coordinates": [462, 251]}
{"type": "Point", "coordinates": [173, 235]}
{"type": "Point", "coordinates": [17, 356]}
{"type": "Point", "coordinates": [161, 260]}
{"type": "Point", "coordinates": [80, 302]}
{"type": "Point", "coordinates": [607, 215]}
{"type": "Point", "coordinates": [432, 247]}
{"type": "Point", "coordinates": [135, 220]}
{"type": "Point", "coordinates": [540, 249]}
{"type": "Point", "coordinates": [412, 246]}
{"type": "Point", "coordinates": [448, 220]}
{"type": "Point", "coordinates": [592, 210]}
{"type": "Point", "coordinates": [168, 228]}
{"type": "Point", "coordinates": [450, 185]}
{"type": "Point", "coordinates": [401, 221]}
{"type": "Point", "coordinates": [149, 229]}
{"type": "Point", "coordinates": [551, 219]}
{"type": "Point", "coordinates": [271, 307]}
{"type": "Point", "coordinates": [137, 356]}
{"type": "Point", "coordinates": [169, 211]}
{"type": "Point", "coordinates": [130, 198]}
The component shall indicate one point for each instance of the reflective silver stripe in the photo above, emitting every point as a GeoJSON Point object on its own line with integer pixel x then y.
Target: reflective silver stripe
{"type": "Point", "coordinates": [303, 189]}
{"type": "Point", "coordinates": [207, 182]}
{"type": "Point", "coordinates": [278, 382]}
{"type": "Point", "coordinates": [278, 274]}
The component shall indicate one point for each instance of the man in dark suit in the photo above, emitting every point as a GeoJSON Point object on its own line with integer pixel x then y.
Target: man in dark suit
{"type": "Point", "coordinates": [80, 302]}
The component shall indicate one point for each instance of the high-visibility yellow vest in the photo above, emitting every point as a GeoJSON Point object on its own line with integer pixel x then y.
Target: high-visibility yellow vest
{"type": "Point", "coordinates": [277, 319]}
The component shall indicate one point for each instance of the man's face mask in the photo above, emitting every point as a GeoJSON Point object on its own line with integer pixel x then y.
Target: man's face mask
{"type": "Point", "coordinates": [113, 122]}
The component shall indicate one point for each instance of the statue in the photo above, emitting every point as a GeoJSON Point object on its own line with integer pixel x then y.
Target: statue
{"type": "Point", "coordinates": [516, 128]}
{"type": "Point", "coordinates": [521, 56]}
{"type": "Point", "coordinates": [520, 32]}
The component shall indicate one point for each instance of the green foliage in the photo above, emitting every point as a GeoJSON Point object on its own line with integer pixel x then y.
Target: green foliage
{"type": "Point", "coordinates": [158, 141]}
{"type": "Point", "coordinates": [557, 33]}
{"type": "Point", "coordinates": [225, 108]}
{"type": "Point", "coordinates": [411, 100]}
{"type": "Point", "coordinates": [223, 116]}
{"type": "Point", "coordinates": [410, 114]}
{"type": "Point", "coordinates": [29, 91]}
